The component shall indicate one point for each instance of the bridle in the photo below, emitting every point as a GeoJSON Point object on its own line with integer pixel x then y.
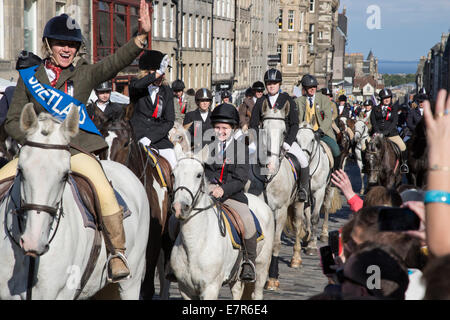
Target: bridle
{"type": "Point", "coordinates": [52, 211]}
{"type": "Point", "coordinates": [280, 154]}
{"type": "Point", "coordinates": [313, 152]}
{"type": "Point", "coordinates": [214, 202]}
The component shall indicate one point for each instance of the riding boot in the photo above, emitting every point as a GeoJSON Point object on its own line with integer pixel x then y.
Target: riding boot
{"type": "Point", "coordinates": [248, 273]}
{"type": "Point", "coordinates": [404, 158]}
{"type": "Point", "coordinates": [303, 184]}
{"type": "Point", "coordinates": [117, 263]}
{"type": "Point", "coordinates": [337, 163]}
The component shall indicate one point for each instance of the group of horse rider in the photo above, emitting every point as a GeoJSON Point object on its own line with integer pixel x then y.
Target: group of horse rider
{"type": "Point", "coordinates": [157, 106]}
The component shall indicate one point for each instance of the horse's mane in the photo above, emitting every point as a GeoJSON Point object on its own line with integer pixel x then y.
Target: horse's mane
{"type": "Point", "coordinates": [47, 123]}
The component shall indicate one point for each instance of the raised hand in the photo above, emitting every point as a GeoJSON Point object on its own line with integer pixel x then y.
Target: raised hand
{"type": "Point", "coordinates": [144, 17]}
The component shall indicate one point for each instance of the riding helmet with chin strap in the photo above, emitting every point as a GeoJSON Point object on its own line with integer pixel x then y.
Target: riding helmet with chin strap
{"type": "Point", "coordinates": [273, 75]}
{"type": "Point", "coordinates": [309, 81]}
{"type": "Point", "coordinates": [64, 28]}
{"type": "Point", "coordinates": [203, 94]}
{"type": "Point", "coordinates": [104, 86]}
{"type": "Point", "coordinates": [225, 113]}
{"type": "Point", "coordinates": [385, 93]}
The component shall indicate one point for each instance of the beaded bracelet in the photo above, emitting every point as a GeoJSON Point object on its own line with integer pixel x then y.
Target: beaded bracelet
{"type": "Point", "coordinates": [437, 196]}
{"type": "Point", "coordinates": [436, 167]}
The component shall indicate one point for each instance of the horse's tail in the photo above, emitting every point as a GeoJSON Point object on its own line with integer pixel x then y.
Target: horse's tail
{"type": "Point", "coordinates": [332, 201]}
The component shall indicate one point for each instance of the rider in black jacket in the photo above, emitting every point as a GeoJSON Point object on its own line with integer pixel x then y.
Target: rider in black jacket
{"type": "Point", "coordinates": [228, 174]}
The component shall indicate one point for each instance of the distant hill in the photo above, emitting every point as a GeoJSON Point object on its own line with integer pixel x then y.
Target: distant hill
{"type": "Point", "coordinates": [396, 67]}
{"type": "Point", "coordinates": [392, 80]}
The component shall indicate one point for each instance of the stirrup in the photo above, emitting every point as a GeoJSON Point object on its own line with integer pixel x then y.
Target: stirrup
{"type": "Point", "coordinates": [404, 168]}
{"type": "Point", "coordinates": [252, 265]}
{"type": "Point", "coordinates": [124, 260]}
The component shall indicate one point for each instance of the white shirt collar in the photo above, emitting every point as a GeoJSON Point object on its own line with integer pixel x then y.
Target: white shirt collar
{"type": "Point", "coordinates": [273, 99]}
{"type": "Point", "coordinates": [153, 91]}
{"type": "Point", "coordinates": [102, 106]}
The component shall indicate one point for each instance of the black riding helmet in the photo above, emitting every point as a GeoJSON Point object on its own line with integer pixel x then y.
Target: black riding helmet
{"type": "Point", "coordinates": [385, 93]}
{"type": "Point", "coordinates": [225, 113]}
{"type": "Point", "coordinates": [203, 94]}
{"type": "Point", "coordinates": [273, 75]}
{"type": "Point", "coordinates": [258, 86]}
{"type": "Point", "coordinates": [104, 86]}
{"type": "Point", "coordinates": [368, 102]}
{"type": "Point", "coordinates": [309, 81]}
{"type": "Point", "coordinates": [342, 97]}
{"type": "Point", "coordinates": [62, 27]}
{"type": "Point", "coordinates": [178, 85]}
{"type": "Point", "coordinates": [225, 94]}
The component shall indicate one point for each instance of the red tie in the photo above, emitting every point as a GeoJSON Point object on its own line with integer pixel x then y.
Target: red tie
{"type": "Point", "coordinates": [56, 70]}
{"type": "Point", "coordinates": [155, 113]}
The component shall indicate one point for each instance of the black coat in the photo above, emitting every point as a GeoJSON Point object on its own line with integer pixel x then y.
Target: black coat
{"type": "Point", "coordinates": [379, 123]}
{"type": "Point", "coordinates": [235, 170]}
{"type": "Point", "coordinates": [346, 112]}
{"type": "Point", "coordinates": [292, 120]}
{"type": "Point", "coordinates": [144, 125]}
{"type": "Point", "coordinates": [413, 119]}
{"type": "Point", "coordinates": [112, 111]}
{"type": "Point", "coordinates": [5, 102]}
{"type": "Point", "coordinates": [196, 118]}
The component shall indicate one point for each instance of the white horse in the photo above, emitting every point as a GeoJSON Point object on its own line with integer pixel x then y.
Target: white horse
{"type": "Point", "coordinates": [325, 197]}
{"type": "Point", "coordinates": [361, 138]}
{"type": "Point", "coordinates": [203, 258]}
{"type": "Point", "coordinates": [281, 187]}
{"type": "Point", "coordinates": [50, 225]}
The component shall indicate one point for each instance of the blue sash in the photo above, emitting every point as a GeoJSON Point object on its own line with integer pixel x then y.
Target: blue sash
{"type": "Point", "coordinates": [56, 102]}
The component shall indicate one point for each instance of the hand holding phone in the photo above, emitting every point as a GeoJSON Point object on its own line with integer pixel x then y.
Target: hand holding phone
{"type": "Point", "coordinates": [327, 260]}
{"type": "Point", "coordinates": [333, 241]}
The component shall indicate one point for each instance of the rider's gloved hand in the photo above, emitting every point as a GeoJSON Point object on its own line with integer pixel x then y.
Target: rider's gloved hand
{"type": "Point", "coordinates": [145, 141]}
{"type": "Point", "coordinates": [286, 146]}
{"type": "Point", "coordinates": [164, 64]}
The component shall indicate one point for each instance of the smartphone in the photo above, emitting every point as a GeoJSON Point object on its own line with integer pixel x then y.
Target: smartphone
{"type": "Point", "coordinates": [333, 241]}
{"type": "Point", "coordinates": [397, 219]}
{"type": "Point", "coordinates": [327, 260]}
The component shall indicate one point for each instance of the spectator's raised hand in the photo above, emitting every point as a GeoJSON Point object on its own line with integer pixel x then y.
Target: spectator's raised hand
{"type": "Point", "coordinates": [341, 180]}
{"type": "Point", "coordinates": [418, 207]}
{"type": "Point", "coordinates": [144, 17]}
{"type": "Point", "coordinates": [438, 130]}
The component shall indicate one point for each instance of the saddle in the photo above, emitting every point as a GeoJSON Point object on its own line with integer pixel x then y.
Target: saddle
{"type": "Point", "coordinates": [235, 226]}
{"type": "Point", "coordinates": [329, 153]}
{"type": "Point", "coordinates": [395, 147]}
{"type": "Point", "coordinates": [162, 167]}
{"type": "Point", "coordinates": [295, 165]}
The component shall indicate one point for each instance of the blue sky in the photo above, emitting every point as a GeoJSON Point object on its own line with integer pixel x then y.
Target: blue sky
{"type": "Point", "coordinates": [409, 28]}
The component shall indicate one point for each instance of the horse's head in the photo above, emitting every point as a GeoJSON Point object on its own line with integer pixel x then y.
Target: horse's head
{"type": "Point", "coordinates": [274, 126]}
{"type": "Point", "coordinates": [180, 134]}
{"type": "Point", "coordinates": [44, 166]}
{"type": "Point", "coordinates": [361, 130]}
{"type": "Point", "coordinates": [190, 181]}
{"type": "Point", "coordinates": [118, 135]}
{"type": "Point", "coordinates": [373, 157]}
{"type": "Point", "coordinates": [307, 138]}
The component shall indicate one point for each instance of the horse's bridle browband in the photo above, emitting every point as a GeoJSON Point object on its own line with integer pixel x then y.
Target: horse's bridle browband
{"type": "Point", "coordinates": [47, 145]}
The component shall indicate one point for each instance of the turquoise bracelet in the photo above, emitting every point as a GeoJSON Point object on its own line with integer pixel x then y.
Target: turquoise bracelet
{"type": "Point", "coordinates": [437, 196]}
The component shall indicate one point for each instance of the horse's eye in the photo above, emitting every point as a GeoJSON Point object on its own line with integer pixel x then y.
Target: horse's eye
{"type": "Point", "coordinates": [199, 176]}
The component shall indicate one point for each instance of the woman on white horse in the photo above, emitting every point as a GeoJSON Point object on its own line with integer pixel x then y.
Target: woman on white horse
{"type": "Point", "coordinates": [228, 175]}
{"type": "Point", "coordinates": [154, 113]}
{"type": "Point", "coordinates": [63, 78]}
{"type": "Point", "coordinates": [272, 80]}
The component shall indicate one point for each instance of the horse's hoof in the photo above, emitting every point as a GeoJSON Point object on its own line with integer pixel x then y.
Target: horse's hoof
{"type": "Point", "coordinates": [311, 251]}
{"type": "Point", "coordinates": [272, 284]}
{"type": "Point", "coordinates": [296, 263]}
{"type": "Point", "coordinates": [323, 238]}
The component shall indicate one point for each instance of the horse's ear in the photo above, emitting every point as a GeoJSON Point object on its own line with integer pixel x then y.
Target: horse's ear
{"type": "Point", "coordinates": [187, 126]}
{"type": "Point", "coordinates": [28, 118]}
{"type": "Point", "coordinates": [71, 123]}
{"type": "Point", "coordinates": [178, 151]}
